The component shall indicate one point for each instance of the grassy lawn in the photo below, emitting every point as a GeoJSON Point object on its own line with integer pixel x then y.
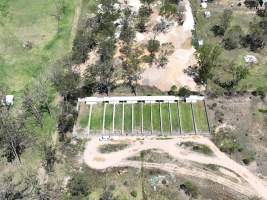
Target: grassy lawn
{"type": "Point", "coordinates": [29, 20]}
{"type": "Point", "coordinates": [108, 117]}
{"type": "Point", "coordinates": [175, 119]}
{"type": "Point", "coordinates": [186, 117]}
{"type": "Point", "coordinates": [165, 117]}
{"type": "Point", "coordinates": [118, 118]}
{"type": "Point", "coordinates": [242, 16]}
{"type": "Point", "coordinates": [97, 118]}
{"type": "Point", "coordinates": [200, 117]}
{"type": "Point", "coordinates": [156, 117]}
{"type": "Point", "coordinates": [84, 116]}
{"type": "Point", "coordinates": [147, 117]}
{"type": "Point", "coordinates": [137, 117]}
{"type": "Point", "coordinates": [128, 118]}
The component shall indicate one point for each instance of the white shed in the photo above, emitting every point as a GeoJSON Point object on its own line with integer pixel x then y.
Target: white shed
{"type": "Point", "coordinates": [250, 59]}
{"type": "Point", "coordinates": [207, 14]}
{"type": "Point", "coordinates": [8, 101]}
{"type": "Point", "coordinates": [204, 5]}
{"type": "Point", "coordinates": [194, 98]}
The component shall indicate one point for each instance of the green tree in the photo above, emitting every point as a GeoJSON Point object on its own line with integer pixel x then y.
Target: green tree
{"type": "Point", "coordinates": [236, 73]}
{"type": "Point", "coordinates": [153, 46]}
{"type": "Point", "coordinates": [168, 10]}
{"type": "Point", "coordinates": [233, 37]}
{"type": "Point", "coordinates": [166, 49]}
{"type": "Point", "coordinates": [224, 22]}
{"type": "Point", "coordinates": [132, 68]}
{"type": "Point", "coordinates": [207, 57]}
{"type": "Point", "coordinates": [127, 33]}
{"type": "Point", "coordinates": [148, 2]}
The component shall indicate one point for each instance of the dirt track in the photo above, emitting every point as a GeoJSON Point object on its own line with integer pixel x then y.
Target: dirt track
{"type": "Point", "coordinates": [251, 185]}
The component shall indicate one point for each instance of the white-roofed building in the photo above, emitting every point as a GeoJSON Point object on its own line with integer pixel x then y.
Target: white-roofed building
{"type": "Point", "coordinates": [194, 98]}
{"type": "Point", "coordinates": [8, 100]}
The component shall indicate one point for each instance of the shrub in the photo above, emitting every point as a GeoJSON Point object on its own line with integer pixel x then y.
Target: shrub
{"type": "Point", "coordinates": [190, 189]}
{"type": "Point", "coordinates": [226, 142]}
{"type": "Point", "coordinates": [78, 185]}
{"type": "Point", "coordinates": [184, 92]}
{"type": "Point", "coordinates": [133, 193]}
{"type": "Point", "coordinates": [173, 90]}
{"type": "Point", "coordinates": [108, 148]}
{"type": "Point", "coordinates": [259, 92]}
{"type": "Point", "coordinates": [153, 46]}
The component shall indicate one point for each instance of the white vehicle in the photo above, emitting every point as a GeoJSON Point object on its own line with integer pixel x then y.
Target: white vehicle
{"type": "Point", "coordinates": [105, 138]}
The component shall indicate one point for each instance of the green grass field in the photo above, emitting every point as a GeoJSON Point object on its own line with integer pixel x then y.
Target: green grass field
{"type": "Point", "coordinates": [147, 117]}
{"type": "Point", "coordinates": [200, 117]}
{"type": "Point", "coordinates": [185, 114]}
{"type": "Point", "coordinates": [186, 117]}
{"type": "Point", "coordinates": [108, 117]}
{"type": "Point", "coordinates": [175, 119]}
{"type": "Point", "coordinates": [118, 118]}
{"type": "Point", "coordinates": [137, 117]}
{"type": "Point", "coordinates": [33, 21]}
{"type": "Point", "coordinates": [165, 117]}
{"type": "Point", "coordinates": [84, 117]}
{"type": "Point", "coordinates": [97, 118]}
{"type": "Point", "coordinates": [156, 117]}
{"type": "Point", "coordinates": [128, 118]}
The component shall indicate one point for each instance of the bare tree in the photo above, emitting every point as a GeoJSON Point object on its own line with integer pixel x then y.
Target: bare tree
{"type": "Point", "coordinates": [36, 100]}
{"type": "Point", "coordinates": [59, 6]}
{"type": "Point", "coordinates": [13, 135]}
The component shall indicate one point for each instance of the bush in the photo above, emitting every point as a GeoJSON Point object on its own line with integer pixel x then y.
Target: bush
{"type": "Point", "coordinates": [190, 189]}
{"type": "Point", "coordinates": [173, 90]}
{"type": "Point", "coordinates": [78, 185]}
{"type": "Point", "coordinates": [153, 46]}
{"type": "Point", "coordinates": [259, 92]}
{"type": "Point", "coordinates": [226, 142]}
{"type": "Point", "coordinates": [184, 92]}
{"type": "Point", "coordinates": [108, 148]}
{"type": "Point", "coordinates": [218, 30]}
{"type": "Point", "coordinates": [200, 148]}
{"type": "Point", "coordinates": [133, 193]}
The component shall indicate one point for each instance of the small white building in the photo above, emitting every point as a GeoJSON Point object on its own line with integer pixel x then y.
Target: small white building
{"type": "Point", "coordinates": [207, 14]}
{"type": "Point", "coordinates": [194, 98]}
{"type": "Point", "coordinates": [250, 59]}
{"type": "Point", "coordinates": [200, 43]}
{"type": "Point", "coordinates": [204, 5]}
{"type": "Point", "coordinates": [8, 100]}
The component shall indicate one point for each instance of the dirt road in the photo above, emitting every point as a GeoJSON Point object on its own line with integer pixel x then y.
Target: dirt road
{"type": "Point", "coordinates": [253, 185]}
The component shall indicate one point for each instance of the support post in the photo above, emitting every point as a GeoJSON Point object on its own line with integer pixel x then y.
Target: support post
{"type": "Point", "coordinates": [206, 111]}
{"type": "Point", "coordinates": [142, 118]}
{"type": "Point", "coordinates": [151, 118]}
{"type": "Point", "coordinates": [122, 122]}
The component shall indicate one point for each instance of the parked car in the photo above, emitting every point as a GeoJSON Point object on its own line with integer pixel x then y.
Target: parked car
{"type": "Point", "coordinates": [105, 138]}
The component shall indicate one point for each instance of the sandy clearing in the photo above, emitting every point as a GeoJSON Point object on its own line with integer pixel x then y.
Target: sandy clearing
{"type": "Point", "coordinates": [170, 146]}
{"type": "Point", "coordinates": [183, 56]}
